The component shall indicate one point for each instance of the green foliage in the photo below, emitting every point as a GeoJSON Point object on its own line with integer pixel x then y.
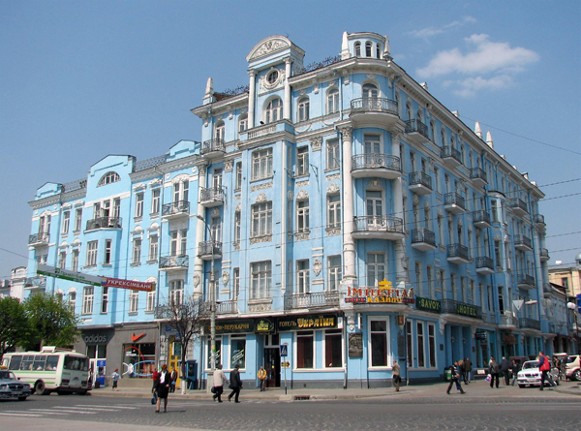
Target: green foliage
{"type": "Point", "coordinates": [13, 324]}
{"type": "Point", "coordinates": [50, 322]}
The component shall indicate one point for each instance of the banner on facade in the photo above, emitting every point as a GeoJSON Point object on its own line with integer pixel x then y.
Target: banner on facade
{"type": "Point", "coordinates": [384, 293]}
{"type": "Point", "coordinates": [127, 284]}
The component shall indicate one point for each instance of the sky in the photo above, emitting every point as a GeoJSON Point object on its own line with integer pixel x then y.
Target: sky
{"type": "Point", "coordinates": [80, 80]}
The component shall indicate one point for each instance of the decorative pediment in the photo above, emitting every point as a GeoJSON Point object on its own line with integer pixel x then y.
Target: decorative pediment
{"type": "Point", "coordinates": [268, 46]}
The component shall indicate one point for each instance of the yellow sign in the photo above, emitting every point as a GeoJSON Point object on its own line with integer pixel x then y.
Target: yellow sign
{"type": "Point", "coordinates": [285, 364]}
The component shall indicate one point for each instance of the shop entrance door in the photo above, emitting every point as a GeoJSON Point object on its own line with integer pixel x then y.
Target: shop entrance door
{"type": "Point", "coordinates": [272, 360]}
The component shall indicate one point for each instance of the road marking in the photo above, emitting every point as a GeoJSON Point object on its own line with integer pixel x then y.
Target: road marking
{"type": "Point", "coordinates": [106, 408]}
{"type": "Point", "coordinates": [20, 414]}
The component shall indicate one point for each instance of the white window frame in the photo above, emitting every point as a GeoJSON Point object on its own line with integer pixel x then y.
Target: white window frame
{"type": "Point", "coordinates": [66, 222]}
{"type": "Point", "coordinates": [333, 101]}
{"type": "Point", "coordinates": [334, 273]}
{"type": "Point", "coordinates": [150, 301]}
{"type": "Point", "coordinates": [136, 251]}
{"type": "Point", "coordinates": [153, 247]}
{"type": "Point", "coordinates": [260, 279]}
{"type": "Point", "coordinates": [133, 301]}
{"type": "Point", "coordinates": [92, 250]}
{"type": "Point", "coordinates": [88, 299]}
{"type": "Point", "coordinates": [303, 216]}
{"type": "Point", "coordinates": [176, 292]}
{"type": "Point", "coordinates": [262, 164]}
{"type": "Point", "coordinates": [333, 154]}
{"type": "Point", "coordinates": [139, 198]}
{"type": "Point", "coordinates": [104, 300]}
{"type": "Point", "coordinates": [261, 219]}
{"type": "Point", "coordinates": [385, 336]}
{"type": "Point", "coordinates": [273, 111]}
{"type": "Point", "coordinates": [302, 162]}
{"type": "Point", "coordinates": [376, 268]}
{"type": "Point", "coordinates": [303, 276]}
{"type": "Point", "coordinates": [155, 201]}
{"type": "Point", "coordinates": [303, 107]}
{"type": "Point", "coordinates": [334, 216]}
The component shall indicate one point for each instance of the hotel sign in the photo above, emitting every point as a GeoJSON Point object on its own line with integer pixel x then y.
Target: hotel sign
{"type": "Point", "coordinates": [427, 304]}
{"type": "Point", "coordinates": [307, 322]}
{"type": "Point", "coordinates": [383, 294]}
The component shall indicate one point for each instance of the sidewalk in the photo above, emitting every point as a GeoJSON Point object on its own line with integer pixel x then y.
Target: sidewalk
{"type": "Point", "coordinates": [478, 388]}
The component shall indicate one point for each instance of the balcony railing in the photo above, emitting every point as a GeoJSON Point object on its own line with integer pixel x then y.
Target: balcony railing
{"type": "Point", "coordinates": [177, 262]}
{"type": "Point", "coordinates": [451, 156]}
{"type": "Point", "coordinates": [420, 183]}
{"type": "Point", "coordinates": [454, 203]}
{"type": "Point", "coordinates": [481, 218]}
{"type": "Point", "coordinates": [458, 253]}
{"type": "Point", "coordinates": [544, 255]}
{"type": "Point", "coordinates": [385, 227]}
{"type": "Point", "coordinates": [210, 249]}
{"type": "Point", "coordinates": [39, 238]}
{"type": "Point", "coordinates": [212, 196]}
{"type": "Point", "coordinates": [525, 280]}
{"type": "Point", "coordinates": [478, 176]}
{"type": "Point", "coordinates": [311, 300]}
{"type": "Point", "coordinates": [484, 265]}
{"type": "Point", "coordinates": [525, 322]}
{"type": "Point", "coordinates": [37, 282]}
{"type": "Point", "coordinates": [451, 306]}
{"type": "Point", "coordinates": [519, 207]}
{"type": "Point", "coordinates": [212, 146]}
{"type": "Point", "coordinates": [416, 131]}
{"type": "Point", "coordinates": [522, 242]}
{"type": "Point", "coordinates": [104, 223]}
{"type": "Point", "coordinates": [374, 104]}
{"type": "Point", "coordinates": [423, 239]}
{"type": "Point", "coordinates": [377, 165]}
{"type": "Point", "coordinates": [174, 209]}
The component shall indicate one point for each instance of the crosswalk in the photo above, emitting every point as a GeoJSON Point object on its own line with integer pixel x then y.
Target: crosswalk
{"type": "Point", "coordinates": [67, 410]}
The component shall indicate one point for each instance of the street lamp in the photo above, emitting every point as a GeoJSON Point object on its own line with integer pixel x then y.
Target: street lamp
{"type": "Point", "coordinates": [212, 298]}
{"type": "Point", "coordinates": [573, 307]}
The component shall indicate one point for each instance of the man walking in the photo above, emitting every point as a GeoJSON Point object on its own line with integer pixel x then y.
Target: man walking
{"type": "Point", "coordinates": [235, 384]}
{"type": "Point", "coordinates": [455, 378]}
{"type": "Point", "coordinates": [544, 368]}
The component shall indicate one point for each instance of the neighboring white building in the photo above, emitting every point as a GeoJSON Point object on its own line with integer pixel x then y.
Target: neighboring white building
{"type": "Point", "coordinates": [347, 214]}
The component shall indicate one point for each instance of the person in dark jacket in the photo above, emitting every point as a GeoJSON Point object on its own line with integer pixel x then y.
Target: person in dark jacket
{"type": "Point", "coordinates": [504, 370]}
{"type": "Point", "coordinates": [455, 378]}
{"type": "Point", "coordinates": [235, 384]}
{"type": "Point", "coordinates": [162, 385]}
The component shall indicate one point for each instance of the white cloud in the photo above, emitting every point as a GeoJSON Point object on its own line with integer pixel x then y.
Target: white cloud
{"type": "Point", "coordinates": [429, 32]}
{"type": "Point", "coordinates": [486, 65]}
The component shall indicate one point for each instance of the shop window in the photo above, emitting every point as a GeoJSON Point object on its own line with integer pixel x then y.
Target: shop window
{"type": "Point", "coordinates": [305, 349]}
{"type": "Point", "coordinates": [238, 351]}
{"type": "Point", "coordinates": [378, 343]}
{"type": "Point", "coordinates": [333, 348]}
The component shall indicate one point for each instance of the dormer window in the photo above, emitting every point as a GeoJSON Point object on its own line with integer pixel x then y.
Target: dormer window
{"type": "Point", "coordinates": [109, 178]}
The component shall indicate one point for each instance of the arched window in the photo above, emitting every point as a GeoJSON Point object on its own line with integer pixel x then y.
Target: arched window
{"type": "Point", "coordinates": [377, 51]}
{"type": "Point", "coordinates": [332, 101]}
{"type": "Point", "coordinates": [243, 123]}
{"type": "Point", "coordinates": [368, 46]}
{"type": "Point", "coordinates": [109, 178]}
{"type": "Point", "coordinates": [273, 111]}
{"type": "Point", "coordinates": [303, 109]}
{"type": "Point", "coordinates": [357, 49]}
{"type": "Point", "coordinates": [369, 96]}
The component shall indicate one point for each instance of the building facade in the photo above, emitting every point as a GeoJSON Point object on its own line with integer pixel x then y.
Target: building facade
{"type": "Point", "coordinates": [348, 217]}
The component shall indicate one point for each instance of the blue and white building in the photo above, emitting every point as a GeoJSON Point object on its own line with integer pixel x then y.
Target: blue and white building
{"type": "Point", "coordinates": [346, 214]}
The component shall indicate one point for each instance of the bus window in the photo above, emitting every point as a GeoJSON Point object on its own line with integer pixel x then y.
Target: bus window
{"type": "Point", "coordinates": [39, 363]}
{"type": "Point", "coordinates": [15, 362]}
{"type": "Point", "coordinates": [26, 363]}
{"type": "Point", "coordinates": [52, 362]}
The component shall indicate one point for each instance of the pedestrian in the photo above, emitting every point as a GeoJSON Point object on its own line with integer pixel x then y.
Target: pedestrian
{"type": "Point", "coordinates": [174, 377]}
{"type": "Point", "coordinates": [262, 374]}
{"type": "Point", "coordinates": [115, 378]}
{"type": "Point", "coordinates": [162, 385]}
{"type": "Point", "coordinates": [504, 370]}
{"type": "Point", "coordinates": [544, 368]}
{"type": "Point", "coordinates": [235, 384]}
{"type": "Point", "coordinates": [494, 371]}
{"type": "Point", "coordinates": [218, 387]}
{"type": "Point", "coordinates": [395, 370]}
{"type": "Point", "coordinates": [467, 371]}
{"type": "Point", "coordinates": [515, 367]}
{"type": "Point", "coordinates": [455, 378]}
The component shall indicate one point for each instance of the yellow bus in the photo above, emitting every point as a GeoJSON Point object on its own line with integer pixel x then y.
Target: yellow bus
{"type": "Point", "coordinates": [51, 370]}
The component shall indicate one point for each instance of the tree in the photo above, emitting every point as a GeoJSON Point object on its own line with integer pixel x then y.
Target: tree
{"type": "Point", "coordinates": [51, 322]}
{"type": "Point", "coordinates": [13, 324]}
{"type": "Point", "coordinates": [186, 319]}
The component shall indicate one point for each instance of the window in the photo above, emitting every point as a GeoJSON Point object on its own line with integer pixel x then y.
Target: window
{"type": "Point", "coordinates": [409, 344]}
{"type": "Point", "coordinates": [335, 273]}
{"type": "Point", "coordinates": [139, 205]}
{"type": "Point", "coordinates": [431, 345]}
{"type": "Point", "coordinates": [303, 109]}
{"type": "Point", "coordinates": [357, 49]}
{"type": "Point", "coordinates": [133, 301]}
{"type": "Point", "coordinates": [372, 144]}
{"type": "Point", "coordinates": [261, 219]}
{"type": "Point", "coordinates": [368, 49]}
{"type": "Point", "coordinates": [272, 76]}
{"type": "Point", "coordinates": [333, 348]}
{"type": "Point", "coordinates": [66, 222]}
{"type": "Point", "coordinates": [75, 261]}
{"type": "Point", "coordinates": [334, 211]}
{"type": "Point", "coordinates": [375, 268]}
{"type": "Point", "coordinates": [238, 351]}
{"type": "Point", "coordinates": [333, 155]}
{"type": "Point", "coordinates": [181, 191]}
{"type": "Point", "coordinates": [243, 123]}
{"type": "Point", "coordinates": [421, 346]}
{"type": "Point", "coordinates": [78, 219]}
{"type": "Point", "coordinates": [217, 353]}
{"type": "Point", "coordinates": [303, 276]}
{"type": "Point", "coordinates": [136, 252]}
{"type": "Point", "coordinates": [333, 101]}
{"type": "Point", "coordinates": [303, 216]}
{"type": "Point", "coordinates": [92, 253]}
{"type": "Point", "coordinates": [260, 279]}
{"type": "Point", "coordinates": [374, 209]}
{"type": "Point", "coordinates": [262, 164]}
{"type": "Point", "coordinates": [176, 292]}
{"type": "Point", "coordinates": [219, 132]}
{"type": "Point", "coordinates": [155, 201]}
{"type": "Point", "coordinates": [305, 349]}
{"type": "Point", "coordinates": [153, 248]}
{"type": "Point", "coordinates": [273, 111]}
{"type": "Point", "coordinates": [236, 283]}
{"type": "Point", "coordinates": [105, 300]}
{"type": "Point", "coordinates": [72, 300]}
{"type": "Point", "coordinates": [237, 228]}
{"type": "Point", "coordinates": [238, 184]}
{"type": "Point", "coordinates": [62, 263]}
{"type": "Point", "coordinates": [109, 178]}
{"type": "Point", "coordinates": [177, 245]}
{"type": "Point", "coordinates": [302, 161]}
{"type": "Point", "coordinates": [369, 93]}
{"type": "Point", "coordinates": [107, 255]}
{"type": "Point", "coordinates": [150, 300]}
{"type": "Point", "coordinates": [88, 298]}
{"type": "Point", "coordinates": [379, 343]}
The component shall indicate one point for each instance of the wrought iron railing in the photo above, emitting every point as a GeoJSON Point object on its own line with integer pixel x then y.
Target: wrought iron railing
{"type": "Point", "coordinates": [375, 161]}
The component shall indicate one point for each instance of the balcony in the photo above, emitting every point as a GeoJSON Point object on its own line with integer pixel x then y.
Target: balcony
{"type": "Point", "coordinates": [376, 165]}
{"type": "Point", "coordinates": [481, 219]}
{"type": "Point", "coordinates": [450, 156]}
{"type": "Point", "coordinates": [416, 131]}
{"type": "Point", "coordinates": [423, 239]}
{"type": "Point", "coordinates": [478, 177]}
{"type": "Point", "coordinates": [484, 265]}
{"type": "Point", "coordinates": [174, 263]}
{"type": "Point", "coordinates": [37, 283]}
{"type": "Point", "coordinates": [544, 255]}
{"type": "Point", "coordinates": [311, 300]}
{"type": "Point", "coordinates": [454, 203]}
{"type": "Point", "coordinates": [212, 197]}
{"type": "Point", "coordinates": [378, 227]}
{"type": "Point", "coordinates": [420, 183]}
{"type": "Point", "coordinates": [374, 111]}
{"type": "Point", "coordinates": [525, 281]}
{"type": "Point", "coordinates": [508, 321]}
{"type": "Point", "coordinates": [458, 254]}
{"type": "Point", "coordinates": [540, 223]}
{"type": "Point", "coordinates": [175, 210]}
{"type": "Point", "coordinates": [523, 243]}
{"type": "Point", "coordinates": [519, 207]}
{"type": "Point", "coordinates": [227, 307]}
{"type": "Point", "coordinates": [528, 323]}
{"type": "Point", "coordinates": [104, 223]}
{"type": "Point", "coordinates": [39, 239]}
{"type": "Point", "coordinates": [208, 250]}
{"type": "Point", "coordinates": [213, 148]}
{"type": "Point", "coordinates": [451, 306]}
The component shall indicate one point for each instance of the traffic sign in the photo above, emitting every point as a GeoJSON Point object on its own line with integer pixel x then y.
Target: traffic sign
{"type": "Point", "coordinates": [285, 364]}
{"type": "Point", "coordinates": [283, 350]}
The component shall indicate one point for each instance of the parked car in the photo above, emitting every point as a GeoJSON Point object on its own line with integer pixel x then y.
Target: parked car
{"type": "Point", "coordinates": [573, 367]}
{"type": "Point", "coordinates": [11, 387]}
{"type": "Point", "coordinates": [530, 375]}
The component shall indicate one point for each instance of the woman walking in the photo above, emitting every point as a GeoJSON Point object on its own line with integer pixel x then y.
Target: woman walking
{"type": "Point", "coordinates": [162, 385]}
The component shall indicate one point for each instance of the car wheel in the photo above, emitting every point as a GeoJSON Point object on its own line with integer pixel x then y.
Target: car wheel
{"type": "Point", "coordinates": [21, 398]}
{"type": "Point", "coordinates": [577, 375]}
{"type": "Point", "coordinates": [521, 386]}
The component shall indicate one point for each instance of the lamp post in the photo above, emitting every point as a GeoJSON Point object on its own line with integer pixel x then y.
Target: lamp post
{"type": "Point", "coordinates": [573, 307]}
{"type": "Point", "coordinates": [212, 299]}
